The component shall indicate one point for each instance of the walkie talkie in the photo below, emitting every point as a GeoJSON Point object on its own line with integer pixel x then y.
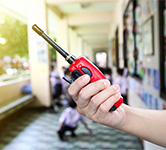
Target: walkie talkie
{"type": "Point", "coordinates": [78, 66]}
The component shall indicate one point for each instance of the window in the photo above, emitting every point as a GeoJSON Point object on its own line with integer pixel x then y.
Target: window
{"type": "Point", "coordinates": [101, 59]}
{"type": "Point", "coordinates": [13, 47]}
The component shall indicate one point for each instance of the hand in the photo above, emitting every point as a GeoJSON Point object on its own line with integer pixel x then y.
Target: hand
{"type": "Point", "coordinates": [94, 100]}
{"type": "Point", "coordinates": [57, 130]}
{"type": "Point", "coordinates": [59, 127]}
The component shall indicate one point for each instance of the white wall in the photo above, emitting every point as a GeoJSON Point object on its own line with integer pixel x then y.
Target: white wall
{"type": "Point", "coordinates": [11, 90]}
{"type": "Point", "coordinates": [151, 62]}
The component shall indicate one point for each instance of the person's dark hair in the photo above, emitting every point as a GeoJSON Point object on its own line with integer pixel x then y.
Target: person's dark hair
{"type": "Point", "coordinates": [120, 71]}
{"type": "Point", "coordinates": [108, 70]}
{"type": "Point", "coordinates": [52, 66]}
{"type": "Point", "coordinates": [72, 103]}
{"type": "Point", "coordinates": [67, 71]}
{"type": "Point", "coordinates": [102, 69]}
{"type": "Point", "coordinates": [63, 67]}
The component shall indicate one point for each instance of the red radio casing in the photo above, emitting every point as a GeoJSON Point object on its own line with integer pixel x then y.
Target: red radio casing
{"type": "Point", "coordinates": [82, 62]}
{"type": "Point", "coordinates": [84, 66]}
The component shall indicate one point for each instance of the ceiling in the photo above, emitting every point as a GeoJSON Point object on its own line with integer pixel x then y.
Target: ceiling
{"type": "Point", "coordinates": [91, 19]}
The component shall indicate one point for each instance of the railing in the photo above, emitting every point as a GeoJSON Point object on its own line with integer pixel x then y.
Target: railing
{"type": "Point", "coordinates": [11, 96]}
{"type": "Point", "coordinates": [15, 105]}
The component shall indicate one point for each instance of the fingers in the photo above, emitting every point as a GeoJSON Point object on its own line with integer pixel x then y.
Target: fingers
{"type": "Point", "coordinates": [77, 85]}
{"type": "Point", "coordinates": [90, 90]}
{"type": "Point", "coordinates": [95, 99]}
{"type": "Point", "coordinates": [98, 99]}
{"type": "Point", "coordinates": [106, 105]}
{"type": "Point", "coordinates": [82, 94]}
{"type": "Point", "coordinates": [103, 114]}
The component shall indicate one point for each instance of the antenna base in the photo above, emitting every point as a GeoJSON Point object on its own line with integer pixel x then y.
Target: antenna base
{"type": "Point", "coordinates": [70, 59]}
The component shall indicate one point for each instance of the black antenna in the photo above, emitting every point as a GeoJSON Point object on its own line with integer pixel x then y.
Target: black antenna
{"type": "Point", "coordinates": [68, 57]}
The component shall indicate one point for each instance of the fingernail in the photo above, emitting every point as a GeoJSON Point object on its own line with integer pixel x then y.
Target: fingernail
{"type": "Point", "coordinates": [117, 95]}
{"type": "Point", "coordinates": [106, 83]}
{"type": "Point", "coordinates": [116, 87]}
{"type": "Point", "coordinates": [85, 78]}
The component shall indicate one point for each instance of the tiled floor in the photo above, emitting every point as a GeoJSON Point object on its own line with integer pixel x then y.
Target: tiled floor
{"type": "Point", "coordinates": [35, 130]}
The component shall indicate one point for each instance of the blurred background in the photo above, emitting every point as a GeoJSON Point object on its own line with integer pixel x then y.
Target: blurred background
{"type": "Point", "coordinates": [126, 35]}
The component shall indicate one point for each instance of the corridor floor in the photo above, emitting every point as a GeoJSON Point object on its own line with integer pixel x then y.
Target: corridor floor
{"type": "Point", "coordinates": [36, 130]}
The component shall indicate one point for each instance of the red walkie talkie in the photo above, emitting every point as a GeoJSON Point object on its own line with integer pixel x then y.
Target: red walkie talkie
{"type": "Point", "coordinates": [79, 66]}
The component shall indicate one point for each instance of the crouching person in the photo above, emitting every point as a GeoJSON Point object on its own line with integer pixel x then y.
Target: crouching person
{"type": "Point", "coordinates": [69, 120]}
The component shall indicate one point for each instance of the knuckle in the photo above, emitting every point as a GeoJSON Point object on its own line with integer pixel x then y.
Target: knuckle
{"type": "Point", "coordinates": [118, 86]}
{"type": "Point", "coordinates": [96, 86]}
{"type": "Point", "coordinates": [103, 108]}
{"type": "Point", "coordinates": [98, 118]}
{"type": "Point", "coordinates": [109, 90]}
{"type": "Point", "coordinates": [82, 111]}
{"type": "Point", "coordinates": [79, 110]}
{"type": "Point", "coordinates": [95, 119]}
{"type": "Point", "coordinates": [79, 83]}
{"type": "Point", "coordinates": [94, 100]}
{"type": "Point", "coordinates": [116, 96]}
{"type": "Point", "coordinates": [82, 94]}
{"type": "Point", "coordinates": [88, 116]}
{"type": "Point", "coordinates": [99, 85]}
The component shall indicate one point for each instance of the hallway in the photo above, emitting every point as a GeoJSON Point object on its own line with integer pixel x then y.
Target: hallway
{"type": "Point", "coordinates": [35, 130]}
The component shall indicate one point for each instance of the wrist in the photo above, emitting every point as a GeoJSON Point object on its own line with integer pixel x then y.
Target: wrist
{"type": "Point", "coordinates": [132, 117]}
{"type": "Point", "coordinates": [126, 118]}
{"type": "Point", "coordinates": [124, 113]}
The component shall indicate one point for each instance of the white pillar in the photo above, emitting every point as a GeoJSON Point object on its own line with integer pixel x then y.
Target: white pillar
{"type": "Point", "coordinates": [79, 46]}
{"type": "Point", "coordinates": [38, 53]}
{"type": "Point", "coordinates": [62, 41]}
{"type": "Point", "coordinates": [75, 43]}
{"type": "Point", "coordinates": [87, 51]}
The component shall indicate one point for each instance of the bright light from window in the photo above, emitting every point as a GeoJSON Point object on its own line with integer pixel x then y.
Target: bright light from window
{"type": "Point", "coordinates": [2, 41]}
{"type": "Point", "coordinates": [2, 21]}
{"type": "Point", "coordinates": [101, 59]}
{"type": "Point", "coordinates": [10, 71]}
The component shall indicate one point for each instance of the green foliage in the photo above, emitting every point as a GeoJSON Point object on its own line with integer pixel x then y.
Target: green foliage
{"type": "Point", "coordinates": [52, 50]}
{"type": "Point", "coordinates": [15, 33]}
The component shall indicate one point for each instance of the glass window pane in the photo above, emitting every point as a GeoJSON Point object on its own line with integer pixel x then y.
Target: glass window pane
{"type": "Point", "coordinates": [13, 48]}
